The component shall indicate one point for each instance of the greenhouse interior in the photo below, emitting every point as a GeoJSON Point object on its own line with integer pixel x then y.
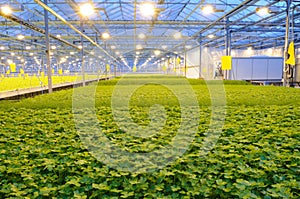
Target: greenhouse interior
{"type": "Point", "coordinates": [150, 99]}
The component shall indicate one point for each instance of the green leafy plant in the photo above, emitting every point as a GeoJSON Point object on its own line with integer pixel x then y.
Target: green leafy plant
{"type": "Point", "coordinates": [257, 155]}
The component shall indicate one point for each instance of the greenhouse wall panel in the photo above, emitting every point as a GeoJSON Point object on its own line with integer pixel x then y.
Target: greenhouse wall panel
{"type": "Point", "coordinates": [256, 68]}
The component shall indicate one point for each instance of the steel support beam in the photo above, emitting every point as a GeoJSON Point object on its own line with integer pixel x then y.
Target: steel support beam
{"type": "Point", "coordinates": [286, 43]}
{"type": "Point", "coordinates": [48, 59]}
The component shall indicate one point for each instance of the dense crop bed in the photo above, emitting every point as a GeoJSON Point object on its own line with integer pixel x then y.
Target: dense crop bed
{"type": "Point", "coordinates": [256, 156]}
{"type": "Point", "coordinates": [14, 83]}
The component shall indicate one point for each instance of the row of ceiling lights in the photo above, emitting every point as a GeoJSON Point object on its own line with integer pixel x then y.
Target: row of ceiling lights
{"type": "Point", "coordinates": [147, 9]}
{"type": "Point", "coordinates": [86, 10]}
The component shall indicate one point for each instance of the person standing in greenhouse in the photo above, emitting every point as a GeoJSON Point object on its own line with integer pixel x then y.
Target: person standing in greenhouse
{"type": "Point", "coordinates": [218, 71]}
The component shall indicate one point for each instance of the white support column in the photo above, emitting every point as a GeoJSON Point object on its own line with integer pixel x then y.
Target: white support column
{"type": "Point", "coordinates": [200, 56]}
{"type": "Point", "coordinates": [82, 53]}
{"type": "Point", "coordinates": [287, 28]}
{"type": "Point", "coordinates": [227, 45]}
{"type": "Point", "coordinates": [49, 71]}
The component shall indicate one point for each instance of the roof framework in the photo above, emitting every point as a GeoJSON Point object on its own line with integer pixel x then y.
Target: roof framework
{"type": "Point", "coordinates": [125, 22]}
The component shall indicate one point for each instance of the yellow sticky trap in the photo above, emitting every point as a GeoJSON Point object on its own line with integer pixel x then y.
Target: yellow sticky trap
{"type": "Point", "coordinates": [60, 71]}
{"type": "Point", "coordinates": [164, 68]}
{"type": "Point", "coordinates": [178, 61]}
{"type": "Point", "coordinates": [134, 69]}
{"type": "Point", "coordinates": [12, 67]}
{"type": "Point", "coordinates": [107, 67]}
{"type": "Point", "coordinates": [226, 62]}
{"type": "Point", "coordinates": [42, 74]}
{"type": "Point", "coordinates": [291, 55]}
{"type": "Point", "coordinates": [8, 72]}
{"type": "Point", "coordinates": [52, 71]}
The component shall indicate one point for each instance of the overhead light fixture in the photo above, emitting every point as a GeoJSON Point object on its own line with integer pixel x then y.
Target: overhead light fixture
{"type": "Point", "coordinates": [2, 48]}
{"type": "Point", "coordinates": [53, 47]}
{"type": "Point", "coordinates": [113, 47]}
{"type": "Point", "coordinates": [210, 36]}
{"type": "Point", "coordinates": [86, 9]}
{"type": "Point", "coordinates": [20, 37]}
{"type": "Point", "coordinates": [58, 36]}
{"type": "Point", "coordinates": [164, 47]}
{"type": "Point", "coordinates": [270, 51]}
{"type": "Point", "coordinates": [139, 47]}
{"type": "Point", "coordinates": [27, 47]}
{"type": "Point", "coordinates": [6, 10]}
{"type": "Point", "coordinates": [147, 9]}
{"type": "Point", "coordinates": [62, 60]}
{"type": "Point", "coordinates": [30, 54]}
{"type": "Point", "coordinates": [209, 9]}
{"type": "Point", "coordinates": [9, 61]}
{"type": "Point", "coordinates": [249, 50]}
{"type": "Point", "coordinates": [177, 35]}
{"type": "Point", "coordinates": [142, 36]}
{"type": "Point", "coordinates": [157, 52]}
{"type": "Point", "coordinates": [80, 46]}
{"type": "Point", "coordinates": [12, 54]}
{"type": "Point", "coordinates": [262, 11]}
{"type": "Point", "coordinates": [105, 35]}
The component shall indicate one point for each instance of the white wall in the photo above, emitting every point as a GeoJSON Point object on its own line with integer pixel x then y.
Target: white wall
{"type": "Point", "coordinates": [256, 68]}
{"type": "Point", "coordinates": [211, 57]}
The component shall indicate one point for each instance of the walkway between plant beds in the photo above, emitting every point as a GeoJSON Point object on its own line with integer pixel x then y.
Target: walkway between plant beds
{"type": "Point", "coordinates": [30, 92]}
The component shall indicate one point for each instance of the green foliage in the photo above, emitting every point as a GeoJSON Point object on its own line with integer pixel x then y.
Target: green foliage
{"type": "Point", "coordinates": [257, 155]}
{"type": "Point", "coordinates": [17, 83]}
{"type": "Point", "coordinates": [237, 94]}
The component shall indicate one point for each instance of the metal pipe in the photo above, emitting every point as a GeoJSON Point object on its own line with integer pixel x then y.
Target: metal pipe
{"type": "Point", "coordinates": [73, 27]}
{"type": "Point", "coordinates": [228, 14]}
{"type": "Point", "coordinates": [286, 43]}
{"type": "Point", "coordinates": [147, 22]}
{"type": "Point", "coordinates": [227, 45]}
{"type": "Point", "coordinates": [34, 28]}
{"type": "Point", "coordinates": [200, 56]}
{"type": "Point", "coordinates": [185, 60]}
{"type": "Point", "coordinates": [82, 53]}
